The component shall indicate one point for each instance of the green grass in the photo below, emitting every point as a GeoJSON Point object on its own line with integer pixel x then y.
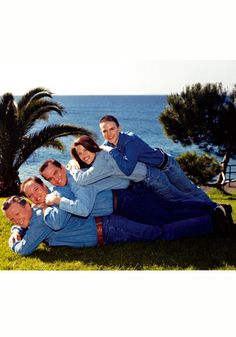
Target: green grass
{"type": "Point", "coordinates": [202, 253]}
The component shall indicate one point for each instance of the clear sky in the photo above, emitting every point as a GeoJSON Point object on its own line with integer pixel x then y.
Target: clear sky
{"type": "Point", "coordinates": [115, 47]}
{"type": "Point", "coordinates": [70, 76]}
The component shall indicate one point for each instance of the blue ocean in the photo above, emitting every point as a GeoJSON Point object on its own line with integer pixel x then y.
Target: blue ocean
{"type": "Point", "coordinates": [139, 114]}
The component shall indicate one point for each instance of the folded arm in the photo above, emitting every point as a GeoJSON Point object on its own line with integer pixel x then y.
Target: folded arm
{"type": "Point", "coordinates": [127, 162]}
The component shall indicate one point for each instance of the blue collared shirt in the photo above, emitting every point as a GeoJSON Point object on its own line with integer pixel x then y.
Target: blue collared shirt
{"type": "Point", "coordinates": [105, 166]}
{"type": "Point", "coordinates": [95, 199]}
{"type": "Point", "coordinates": [74, 232]}
{"type": "Point", "coordinates": [130, 149]}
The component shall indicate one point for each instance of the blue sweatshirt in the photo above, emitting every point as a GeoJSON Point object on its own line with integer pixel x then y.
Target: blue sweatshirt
{"type": "Point", "coordinates": [96, 200]}
{"type": "Point", "coordinates": [105, 166]}
{"type": "Point", "coordinates": [73, 231]}
{"type": "Point", "coordinates": [130, 149]}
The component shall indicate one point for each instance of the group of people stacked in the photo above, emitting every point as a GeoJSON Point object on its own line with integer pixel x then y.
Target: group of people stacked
{"type": "Point", "coordinates": [121, 191]}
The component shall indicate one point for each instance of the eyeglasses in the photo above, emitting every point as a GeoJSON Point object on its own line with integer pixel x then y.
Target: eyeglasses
{"type": "Point", "coordinates": [11, 200]}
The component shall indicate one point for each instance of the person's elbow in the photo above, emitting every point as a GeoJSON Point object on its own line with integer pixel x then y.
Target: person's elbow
{"type": "Point", "coordinates": [23, 251]}
{"type": "Point", "coordinates": [81, 211]}
{"type": "Point", "coordinates": [86, 212]}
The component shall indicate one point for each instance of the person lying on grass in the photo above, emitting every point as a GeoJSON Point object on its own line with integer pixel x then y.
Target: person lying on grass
{"type": "Point", "coordinates": [99, 164]}
{"type": "Point", "coordinates": [136, 203]}
{"type": "Point", "coordinates": [59, 228]}
{"type": "Point", "coordinates": [35, 225]}
{"type": "Point", "coordinates": [127, 149]}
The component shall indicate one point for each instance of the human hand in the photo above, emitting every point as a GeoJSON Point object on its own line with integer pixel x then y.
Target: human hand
{"type": "Point", "coordinates": [106, 148]}
{"type": "Point", "coordinates": [15, 236]}
{"type": "Point", "coordinates": [43, 205]}
{"type": "Point", "coordinates": [52, 199]}
{"type": "Point", "coordinates": [73, 166]}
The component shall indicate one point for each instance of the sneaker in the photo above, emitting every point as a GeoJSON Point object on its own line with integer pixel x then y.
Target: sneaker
{"type": "Point", "coordinates": [220, 223]}
{"type": "Point", "coordinates": [228, 210]}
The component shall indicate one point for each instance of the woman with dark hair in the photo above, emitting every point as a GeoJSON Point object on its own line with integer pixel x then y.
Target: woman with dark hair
{"type": "Point", "coordinates": [97, 164]}
{"type": "Point", "coordinates": [88, 144]}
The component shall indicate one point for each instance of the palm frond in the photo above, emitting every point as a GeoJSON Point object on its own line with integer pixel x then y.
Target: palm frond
{"type": "Point", "coordinates": [46, 137]}
{"type": "Point", "coordinates": [17, 140]}
{"type": "Point", "coordinates": [33, 94]}
{"type": "Point", "coordinates": [26, 112]}
{"type": "Point", "coordinates": [37, 110]}
{"type": "Point", "coordinates": [4, 104]}
{"type": "Point", "coordinates": [56, 144]}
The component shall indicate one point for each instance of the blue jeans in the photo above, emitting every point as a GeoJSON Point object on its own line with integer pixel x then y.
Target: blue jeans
{"type": "Point", "coordinates": [202, 225]}
{"type": "Point", "coordinates": [117, 229]}
{"type": "Point", "coordinates": [160, 184]}
{"type": "Point", "coordinates": [172, 183]}
{"type": "Point", "coordinates": [178, 179]}
{"type": "Point", "coordinates": [141, 204]}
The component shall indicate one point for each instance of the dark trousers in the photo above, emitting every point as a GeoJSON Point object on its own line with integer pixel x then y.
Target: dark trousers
{"type": "Point", "coordinates": [141, 204]}
{"type": "Point", "coordinates": [117, 229]}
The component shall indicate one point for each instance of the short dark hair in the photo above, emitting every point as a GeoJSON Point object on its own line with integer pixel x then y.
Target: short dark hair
{"type": "Point", "coordinates": [109, 118]}
{"type": "Point", "coordinates": [33, 178]}
{"type": "Point", "coordinates": [89, 144]}
{"type": "Point", "coordinates": [45, 164]}
{"type": "Point", "coordinates": [13, 199]}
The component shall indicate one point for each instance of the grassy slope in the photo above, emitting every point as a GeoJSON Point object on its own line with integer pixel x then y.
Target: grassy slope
{"type": "Point", "coordinates": [191, 253]}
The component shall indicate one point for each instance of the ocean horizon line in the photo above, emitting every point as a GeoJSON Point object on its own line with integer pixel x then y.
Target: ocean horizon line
{"type": "Point", "coordinates": [102, 95]}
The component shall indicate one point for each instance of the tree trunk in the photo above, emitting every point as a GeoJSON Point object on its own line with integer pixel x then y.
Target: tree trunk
{"type": "Point", "coordinates": [9, 184]}
{"type": "Point", "coordinates": [224, 164]}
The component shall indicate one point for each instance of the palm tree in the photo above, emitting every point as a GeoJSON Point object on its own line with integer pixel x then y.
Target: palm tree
{"type": "Point", "coordinates": [18, 141]}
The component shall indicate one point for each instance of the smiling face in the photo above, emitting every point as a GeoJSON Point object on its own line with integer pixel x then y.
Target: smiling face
{"type": "Point", "coordinates": [35, 192]}
{"type": "Point", "coordinates": [85, 155]}
{"type": "Point", "coordinates": [55, 175]}
{"type": "Point", "coordinates": [110, 132]}
{"type": "Point", "coordinates": [19, 214]}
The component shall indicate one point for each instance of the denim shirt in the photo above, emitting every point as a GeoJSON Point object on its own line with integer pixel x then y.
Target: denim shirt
{"type": "Point", "coordinates": [105, 166]}
{"type": "Point", "coordinates": [75, 232]}
{"type": "Point", "coordinates": [95, 199]}
{"type": "Point", "coordinates": [130, 149]}
{"type": "Point", "coordinates": [33, 236]}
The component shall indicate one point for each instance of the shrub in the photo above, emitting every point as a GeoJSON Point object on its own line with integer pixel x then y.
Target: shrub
{"type": "Point", "coordinates": [199, 168]}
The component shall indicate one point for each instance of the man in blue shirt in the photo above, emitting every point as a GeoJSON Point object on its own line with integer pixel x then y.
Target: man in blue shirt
{"type": "Point", "coordinates": [138, 204]}
{"type": "Point", "coordinates": [84, 197]}
{"type": "Point", "coordinates": [59, 228]}
{"type": "Point", "coordinates": [127, 149]}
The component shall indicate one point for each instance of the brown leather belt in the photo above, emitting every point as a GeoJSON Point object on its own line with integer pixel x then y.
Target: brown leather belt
{"type": "Point", "coordinates": [98, 221]}
{"type": "Point", "coordinates": [114, 200]}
